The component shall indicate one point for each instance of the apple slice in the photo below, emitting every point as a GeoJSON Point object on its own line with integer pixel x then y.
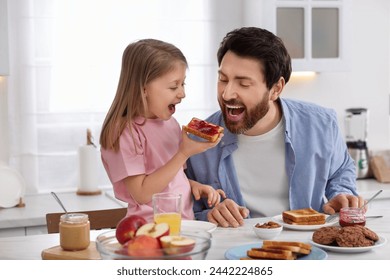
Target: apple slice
{"type": "Point", "coordinates": [153, 230]}
{"type": "Point", "coordinates": [144, 246]}
{"type": "Point", "coordinates": [127, 227]}
{"type": "Point", "coordinates": [177, 244]}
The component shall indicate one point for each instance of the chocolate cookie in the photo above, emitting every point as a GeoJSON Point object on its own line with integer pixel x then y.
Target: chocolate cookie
{"type": "Point", "coordinates": [369, 233]}
{"type": "Point", "coordinates": [352, 237]}
{"type": "Point", "coordinates": [325, 235]}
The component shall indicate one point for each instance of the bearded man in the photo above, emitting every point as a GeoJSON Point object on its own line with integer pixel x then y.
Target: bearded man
{"type": "Point", "coordinates": [276, 154]}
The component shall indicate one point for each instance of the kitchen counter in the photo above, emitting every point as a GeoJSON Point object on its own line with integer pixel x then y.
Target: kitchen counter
{"type": "Point", "coordinates": [368, 187]}
{"type": "Point", "coordinates": [31, 218]}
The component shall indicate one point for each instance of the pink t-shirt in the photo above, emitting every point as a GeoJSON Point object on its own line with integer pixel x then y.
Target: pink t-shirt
{"type": "Point", "coordinates": [151, 146]}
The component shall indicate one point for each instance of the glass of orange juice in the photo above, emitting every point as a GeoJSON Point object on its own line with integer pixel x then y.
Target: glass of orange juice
{"type": "Point", "coordinates": [167, 209]}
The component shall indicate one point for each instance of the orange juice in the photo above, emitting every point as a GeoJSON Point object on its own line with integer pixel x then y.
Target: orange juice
{"type": "Point", "coordinates": [172, 219]}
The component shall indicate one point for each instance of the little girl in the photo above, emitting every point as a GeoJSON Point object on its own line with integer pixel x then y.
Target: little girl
{"type": "Point", "coordinates": [143, 148]}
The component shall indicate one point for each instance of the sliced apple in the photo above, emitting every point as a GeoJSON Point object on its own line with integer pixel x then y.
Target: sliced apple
{"type": "Point", "coordinates": [177, 244]}
{"type": "Point", "coordinates": [153, 230]}
{"type": "Point", "coordinates": [127, 227]}
{"type": "Point", "coordinates": [144, 246]}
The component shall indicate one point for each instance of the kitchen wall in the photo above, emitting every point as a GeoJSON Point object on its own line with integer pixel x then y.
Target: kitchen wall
{"type": "Point", "coordinates": [198, 32]}
{"type": "Point", "coordinates": [366, 84]}
{"type": "Point", "coordinates": [3, 122]}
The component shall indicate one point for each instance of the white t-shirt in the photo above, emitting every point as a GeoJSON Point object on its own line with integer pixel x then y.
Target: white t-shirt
{"type": "Point", "coordinates": [260, 167]}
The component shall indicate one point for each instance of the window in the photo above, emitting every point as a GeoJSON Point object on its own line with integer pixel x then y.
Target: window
{"type": "Point", "coordinates": [65, 59]}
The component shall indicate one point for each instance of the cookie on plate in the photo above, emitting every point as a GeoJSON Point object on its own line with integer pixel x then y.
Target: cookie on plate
{"type": "Point", "coordinates": [352, 237]}
{"type": "Point", "coordinates": [326, 235]}
{"type": "Point", "coordinates": [368, 233]}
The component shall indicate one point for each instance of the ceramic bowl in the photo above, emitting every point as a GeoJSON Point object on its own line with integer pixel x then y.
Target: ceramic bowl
{"type": "Point", "coordinates": [109, 248]}
{"type": "Point", "coordinates": [267, 233]}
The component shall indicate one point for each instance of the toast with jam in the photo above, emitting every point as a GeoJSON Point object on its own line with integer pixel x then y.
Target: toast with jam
{"type": "Point", "coordinates": [203, 129]}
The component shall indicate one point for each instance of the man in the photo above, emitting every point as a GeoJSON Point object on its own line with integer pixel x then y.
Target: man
{"type": "Point", "coordinates": [276, 154]}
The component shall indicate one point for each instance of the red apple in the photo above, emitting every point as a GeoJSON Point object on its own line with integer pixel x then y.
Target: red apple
{"type": "Point", "coordinates": [127, 227]}
{"type": "Point", "coordinates": [144, 246]}
{"type": "Point", "coordinates": [177, 244]}
{"type": "Point", "coordinates": [153, 230]}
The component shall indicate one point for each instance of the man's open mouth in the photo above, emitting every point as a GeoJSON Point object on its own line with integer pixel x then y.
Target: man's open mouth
{"type": "Point", "coordinates": [235, 110]}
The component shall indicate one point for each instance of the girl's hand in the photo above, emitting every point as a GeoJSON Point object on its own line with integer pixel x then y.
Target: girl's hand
{"type": "Point", "coordinates": [213, 196]}
{"type": "Point", "coordinates": [190, 147]}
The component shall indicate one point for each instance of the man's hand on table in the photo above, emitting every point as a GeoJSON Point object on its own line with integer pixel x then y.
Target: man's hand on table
{"type": "Point", "coordinates": [342, 200]}
{"type": "Point", "coordinates": [228, 214]}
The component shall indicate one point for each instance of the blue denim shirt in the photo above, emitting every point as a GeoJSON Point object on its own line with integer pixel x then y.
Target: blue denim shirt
{"type": "Point", "coordinates": [318, 164]}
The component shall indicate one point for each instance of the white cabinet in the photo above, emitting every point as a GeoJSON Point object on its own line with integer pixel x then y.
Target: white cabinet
{"type": "Point", "coordinates": [315, 32]}
{"type": "Point", "coordinates": [4, 62]}
{"type": "Point", "coordinates": [9, 232]}
{"type": "Point", "coordinates": [23, 231]}
{"type": "Point", "coordinates": [36, 230]}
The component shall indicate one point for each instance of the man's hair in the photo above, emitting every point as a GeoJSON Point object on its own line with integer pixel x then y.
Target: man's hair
{"type": "Point", "coordinates": [262, 45]}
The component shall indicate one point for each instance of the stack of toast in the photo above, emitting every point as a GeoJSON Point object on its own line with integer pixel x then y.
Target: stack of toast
{"type": "Point", "coordinates": [304, 216]}
{"type": "Point", "coordinates": [279, 250]}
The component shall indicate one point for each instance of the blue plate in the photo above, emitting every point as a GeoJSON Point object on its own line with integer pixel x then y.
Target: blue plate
{"type": "Point", "coordinates": [236, 253]}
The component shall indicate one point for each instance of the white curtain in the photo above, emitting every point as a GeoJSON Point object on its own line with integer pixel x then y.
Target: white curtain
{"type": "Point", "coordinates": [65, 58]}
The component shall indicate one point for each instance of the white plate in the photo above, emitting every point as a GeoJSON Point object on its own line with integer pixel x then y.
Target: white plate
{"type": "Point", "coordinates": [11, 187]}
{"type": "Point", "coordinates": [235, 253]}
{"type": "Point", "coordinates": [382, 241]}
{"type": "Point", "coordinates": [193, 225]}
{"type": "Point", "coordinates": [279, 220]}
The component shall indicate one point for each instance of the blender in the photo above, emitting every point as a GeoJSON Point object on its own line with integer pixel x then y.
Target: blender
{"type": "Point", "coordinates": [356, 126]}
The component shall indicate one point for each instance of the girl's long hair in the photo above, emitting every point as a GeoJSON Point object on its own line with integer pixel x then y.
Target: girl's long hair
{"type": "Point", "coordinates": [142, 62]}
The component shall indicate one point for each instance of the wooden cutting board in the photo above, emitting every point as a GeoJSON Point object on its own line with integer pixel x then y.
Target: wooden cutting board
{"type": "Point", "coordinates": [57, 253]}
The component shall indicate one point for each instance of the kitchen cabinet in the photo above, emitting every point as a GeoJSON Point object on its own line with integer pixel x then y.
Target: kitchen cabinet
{"type": "Point", "coordinates": [6, 232]}
{"type": "Point", "coordinates": [315, 32]}
{"type": "Point", "coordinates": [23, 231]}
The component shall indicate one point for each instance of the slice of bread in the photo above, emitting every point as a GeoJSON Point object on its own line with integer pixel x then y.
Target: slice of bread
{"type": "Point", "coordinates": [271, 254]}
{"type": "Point", "coordinates": [203, 129]}
{"type": "Point", "coordinates": [302, 245]}
{"type": "Point", "coordinates": [294, 249]}
{"type": "Point", "coordinates": [304, 216]}
{"type": "Point", "coordinates": [305, 223]}
{"type": "Point", "coordinates": [278, 250]}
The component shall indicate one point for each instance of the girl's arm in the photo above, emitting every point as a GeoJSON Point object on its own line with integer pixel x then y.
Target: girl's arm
{"type": "Point", "coordinates": [142, 187]}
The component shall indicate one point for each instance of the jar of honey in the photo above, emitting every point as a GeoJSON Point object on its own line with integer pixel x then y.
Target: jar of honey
{"type": "Point", "coordinates": [74, 231]}
{"type": "Point", "coordinates": [351, 216]}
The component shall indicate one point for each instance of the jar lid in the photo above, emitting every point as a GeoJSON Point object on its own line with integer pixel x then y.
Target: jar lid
{"type": "Point", "coordinates": [74, 218]}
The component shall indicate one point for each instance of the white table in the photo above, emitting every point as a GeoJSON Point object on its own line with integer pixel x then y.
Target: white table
{"type": "Point", "coordinates": [30, 247]}
{"type": "Point", "coordinates": [31, 218]}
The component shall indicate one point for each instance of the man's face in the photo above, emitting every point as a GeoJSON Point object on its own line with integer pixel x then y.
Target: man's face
{"type": "Point", "coordinates": [242, 93]}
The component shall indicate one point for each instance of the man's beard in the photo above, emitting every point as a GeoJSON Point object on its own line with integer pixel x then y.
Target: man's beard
{"type": "Point", "coordinates": [250, 118]}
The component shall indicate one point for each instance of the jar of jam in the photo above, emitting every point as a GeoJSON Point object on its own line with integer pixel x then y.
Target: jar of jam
{"type": "Point", "coordinates": [350, 216]}
{"type": "Point", "coordinates": [74, 231]}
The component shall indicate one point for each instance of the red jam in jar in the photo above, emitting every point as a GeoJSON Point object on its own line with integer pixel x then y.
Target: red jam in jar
{"type": "Point", "coordinates": [351, 216]}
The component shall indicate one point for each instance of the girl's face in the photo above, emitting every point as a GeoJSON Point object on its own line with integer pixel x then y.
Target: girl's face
{"type": "Point", "coordinates": [165, 92]}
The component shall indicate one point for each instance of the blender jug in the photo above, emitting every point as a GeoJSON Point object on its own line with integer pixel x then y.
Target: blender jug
{"type": "Point", "coordinates": [356, 126]}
